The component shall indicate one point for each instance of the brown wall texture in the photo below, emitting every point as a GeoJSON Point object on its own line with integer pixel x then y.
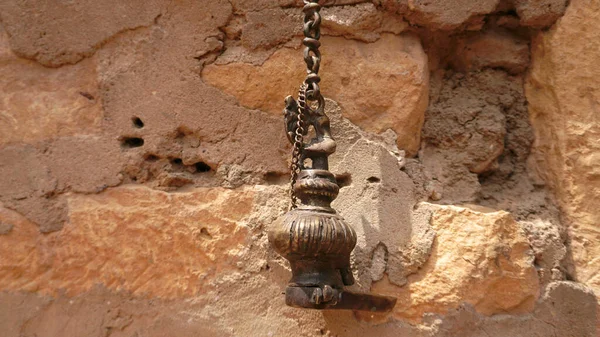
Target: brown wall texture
{"type": "Point", "coordinates": [143, 158]}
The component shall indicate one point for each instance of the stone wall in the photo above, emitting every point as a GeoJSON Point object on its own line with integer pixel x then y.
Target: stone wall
{"type": "Point", "coordinates": [143, 157]}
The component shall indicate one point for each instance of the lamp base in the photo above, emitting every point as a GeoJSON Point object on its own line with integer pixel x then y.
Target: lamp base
{"type": "Point", "coordinates": [329, 298]}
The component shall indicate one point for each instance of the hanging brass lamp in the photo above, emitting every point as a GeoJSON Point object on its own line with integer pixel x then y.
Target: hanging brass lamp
{"type": "Point", "coordinates": [312, 236]}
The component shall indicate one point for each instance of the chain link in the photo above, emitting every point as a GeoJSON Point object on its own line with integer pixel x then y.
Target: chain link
{"type": "Point", "coordinates": [309, 90]}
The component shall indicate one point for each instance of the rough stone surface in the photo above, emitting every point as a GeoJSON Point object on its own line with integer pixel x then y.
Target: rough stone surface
{"type": "Point", "coordinates": [133, 239]}
{"type": "Point", "coordinates": [158, 124]}
{"type": "Point", "coordinates": [442, 15]}
{"type": "Point", "coordinates": [547, 313]}
{"type": "Point", "coordinates": [33, 177]}
{"type": "Point", "coordinates": [361, 22]}
{"type": "Point", "coordinates": [390, 239]}
{"type": "Point", "coordinates": [270, 27]}
{"type": "Point", "coordinates": [480, 257]}
{"type": "Point", "coordinates": [547, 240]}
{"type": "Point", "coordinates": [563, 89]}
{"type": "Point", "coordinates": [142, 158]}
{"type": "Point", "coordinates": [383, 85]}
{"type": "Point", "coordinates": [540, 13]}
{"type": "Point", "coordinates": [574, 297]}
{"type": "Point", "coordinates": [471, 124]}
{"type": "Point", "coordinates": [353, 21]}
{"type": "Point", "coordinates": [64, 33]}
{"type": "Point", "coordinates": [192, 134]}
{"type": "Point", "coordinates": [471, 15]}
{"type": "Point", "coordinates": [100, 311]}
{"type": "Point", "coordinates": [40, 103]}
{"type": "Point", "coordinates": [493, 49]}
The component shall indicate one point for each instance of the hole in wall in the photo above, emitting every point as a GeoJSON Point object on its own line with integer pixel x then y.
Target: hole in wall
{"type": "Point", "coordinates": [536, 263]}
{"type": "Point", "coordinates": [569, 277]}
{"type": "Point", "coordinates": [273, 178]}
{"type": "Point", "coordinates": [87, 95]}
{"type": "Point", "coordinates": [199, 167]}
{"type": "Point", "coordinates": [373, 180]}
{"type": "Point", "coordinates": [205, 234]}
{"type": "Point", "coordinates": [131, 142]}
{"type": "Point", "coordinates": [137, 122]}
{"type": "Point", "coordinates": [182, 131]}
{"type": "Point", "coordinates": [151, 157]}
{"type": "Point", "coordinates": [202, 167]}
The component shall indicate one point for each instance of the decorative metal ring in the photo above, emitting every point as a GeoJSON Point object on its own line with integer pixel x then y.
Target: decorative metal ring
{"type": "Point", "coordinates": [311, 30]}
{"type": "Point", "coordinates": [311, 6]}
{"type": "Point", "coordinates": [316, 18]}
{"type": "Point", "coordinates": [313, 92]}
{"type": "Point", "coordinates": [311, 43]}
{"type": "Point", "coordinates": [312, 78]}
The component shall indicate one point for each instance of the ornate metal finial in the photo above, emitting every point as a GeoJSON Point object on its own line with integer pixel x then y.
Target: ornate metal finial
{"type": "Point", "coordinates": [312, 236]}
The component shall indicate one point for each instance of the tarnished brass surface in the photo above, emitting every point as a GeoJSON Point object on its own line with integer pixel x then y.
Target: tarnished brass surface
{"type": "Point", "coordinates": [328, 298]}
{"type": "Point", "coordinates": [312, 236]}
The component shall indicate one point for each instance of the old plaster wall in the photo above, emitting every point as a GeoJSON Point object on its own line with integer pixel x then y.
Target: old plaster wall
{"type": "Point", "coordinates": [142, 159]}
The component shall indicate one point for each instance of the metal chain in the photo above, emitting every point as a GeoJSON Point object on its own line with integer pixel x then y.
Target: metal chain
{"type": "Point", "coordinates": [312, 55]}
{"type": "Point", "coordinates": [309, 90]}
{"type": "Point", "coordinates": [297, 164]}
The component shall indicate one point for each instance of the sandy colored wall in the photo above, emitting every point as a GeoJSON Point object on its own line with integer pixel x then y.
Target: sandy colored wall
{"type": "Point", "coordinates": [143, 158]}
